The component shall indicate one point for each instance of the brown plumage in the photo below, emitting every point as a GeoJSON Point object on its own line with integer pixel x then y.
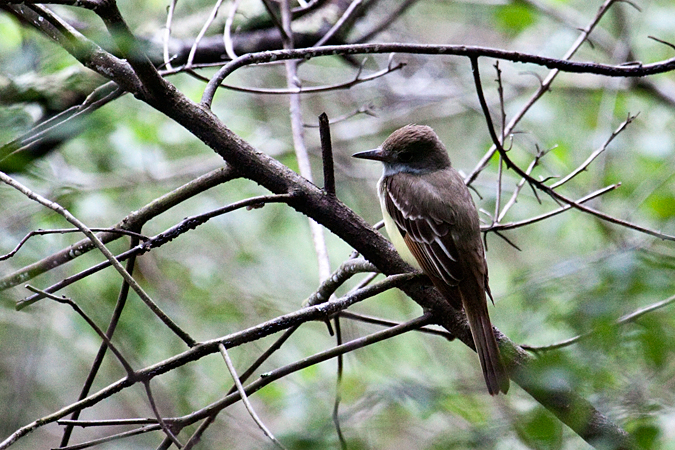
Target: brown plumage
{"type": "Point", "coordinates": [428, 207]}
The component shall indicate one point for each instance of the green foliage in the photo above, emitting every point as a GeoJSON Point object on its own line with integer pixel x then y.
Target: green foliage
{"type": "Point", "coordinates": [514, 17]}
{"type": "Point", "coordinates": [575, 274]}
{"type": "Point", "coordinates": [646, 433]}
{"type": "Point", "coordinates": [539, 429]}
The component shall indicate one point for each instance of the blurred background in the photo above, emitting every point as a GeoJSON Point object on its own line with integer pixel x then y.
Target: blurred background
{"type": "Point", "coordinates": [573, 274]}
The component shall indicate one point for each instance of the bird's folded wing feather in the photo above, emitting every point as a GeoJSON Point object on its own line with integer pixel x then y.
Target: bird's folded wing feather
{"type": "Point", "coordinates": [426, 231]}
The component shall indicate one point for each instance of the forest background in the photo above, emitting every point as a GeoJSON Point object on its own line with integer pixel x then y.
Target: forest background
{"type": "Point", "coordinates": [574, 176]}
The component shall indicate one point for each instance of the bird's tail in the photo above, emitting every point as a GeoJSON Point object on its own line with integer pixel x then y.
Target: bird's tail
{"type": "Point", "coordinates": [471, 297]}
{"type": "Point", "coordinates": [486, 346]}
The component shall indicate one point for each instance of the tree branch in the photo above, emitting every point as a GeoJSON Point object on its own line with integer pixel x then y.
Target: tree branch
{"type": "Point", "coordinates": [133, 221]}
{"type": "Point", "coordinates": [562, 65]}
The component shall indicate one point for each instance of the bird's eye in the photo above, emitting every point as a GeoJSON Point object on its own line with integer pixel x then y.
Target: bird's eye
{"type": "Point", "coordinates": [405, 156]}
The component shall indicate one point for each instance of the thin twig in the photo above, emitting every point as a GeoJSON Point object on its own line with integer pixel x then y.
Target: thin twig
{"type": "Point", "coordinates": [596, 153]}
{"type": "Point", "coordinates": [425, 49]}
{"type": "Point", "coordinates": [265, 356]}
{"type": "Point", "coordinates": [318, 312]}
{"type": "Point", "coordinates": [536, 184]}
{"type": "Point", "coordinates": [244, 397]}
{"type": "Point", "coordinates": [621, 321]}
{"type": "Point", "coordinates": [328, 287]}
{"type": "Point", "coordinates": [102, 350]}
{"type": "Point", "coordinates": [390, 323]}
{"type": "Point", "coordinates": [227, 32]}
{"type": "Point", "coordinates": [660, 41]}
{"type": "Point", "coordinates": [158, 416]}
{"type": "Point", "coordinates": [202, 32]}
{"type": "Point", "coordinates": [197, 435]}
{"type": "Point", "coordinates": [350, 346]}
{"type": "Point", "coordinates": [338, 385]}
{"type": "Point", "coordinates": [160, 239]}
{"type": "Point", "coordinates": [91, 323]}
{"type": "Point", "coordinates": [500, 167]}
{"type": "Point", "coordinates": [107, 422]}
{"type": "Point", "coordinates": [109, 256]}
{"type": "Point", "coordinates": [40, 232]}
{"type": "Point", "coordinates": [365, 109]}
{"type": "Point", "coordinates": [99, 97]}
{"type": "Point", "coordinates": [269, 377]}
{"type": "Point", "coordinates": [544, 86]}
{"type": "Point", "coordinates": [269, 6]}
{"type": "Point", "coordinates": [114, 437]}
{"type": "Point", "coordinates": [133, 221]}
{"type": "Point", "coordinates": [387, 21]}
{"type": "Point", "coordinates": [302, 89]}
{"type": "Point", "coordinates": [353, 6]}
{"type": "Point", "coordinates": [519, 186]}
{"type": "Point", "coordinates": [512, 225]}
{"type": "Point", "coordinates": [298, 132]}
{"type": "Point", "coordinates": [166, 36]}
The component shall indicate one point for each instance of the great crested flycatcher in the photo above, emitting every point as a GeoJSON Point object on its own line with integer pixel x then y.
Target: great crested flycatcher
{"type": "Point", "coordinates": [432, 221]}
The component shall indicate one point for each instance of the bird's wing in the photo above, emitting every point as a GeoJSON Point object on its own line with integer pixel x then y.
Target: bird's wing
{"type": "Point", "coordinates": [426, 224]}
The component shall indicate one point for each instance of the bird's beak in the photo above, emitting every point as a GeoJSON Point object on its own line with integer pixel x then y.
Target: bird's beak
{"type": "Point", "coordinates": [375, 154]}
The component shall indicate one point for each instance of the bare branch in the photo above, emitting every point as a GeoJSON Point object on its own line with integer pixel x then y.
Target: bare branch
{"type": "Point", "coordinates": [64, 231]}
{"type": "Point", "coordinates": [101, 246]}
{"type": "Point", "coordinates": [632, 317]}
{"type": "Point", "coordinates": [540, 185]}
{"type": "Point", "coordinates": [318, 312]}
{"type": "Point", "coordinates": [114, 437]}
{"type": "Point", "coordinates": [99, 97]}
{"type": "Point", "coordinates": [202, 32]}
{"type": "Point", "coordinates": [338, 385]}
{"type": "Point", "coordinates": [307, 90]}
{"type": "Point", "coordinates": [337, 279]}
{"type": "Point", "coordinates": [158, 416]}
{"type": "Point", "coordinates": [388, 323]}
{"type": "Point", "coordinates": [281, 372]}
{"type": "Point", "coordinates": [91, 323]}
{"type": "Point", "coordinates": [244, 397]}
{"type": "Point", "coordinates": [335, 29]}
{"type": "Point", "coordinates": [298, 132]}
{"type": "Point", "coordinates": [545, 84]}
{"type": "Point", "coordinates": [98, 360]}
{"type": "Point", "coordinates": [596, 153]}
{"type": "Point", "coordinates": [84, 50]}
{"type": "Point", "coordinates": [662, 42]}
{"type": "Point", "coordinates": [387, 21]}
{"type": "Point", "coordinates": [518, 188]}
{"type": "Point", "coordinates": [227, 32]}
{"type": "Point", "coordinates": [456, 50]}
{"type": "Point", "coordinates": [166, 36]}
{"type": "Point", "coordinates": [365, 109]}
{"type": "Point", "coordinates": [187, 224]}
{"type": "Point", "coordinates": [134, 221]}
{"type": "Point", "coordinates": [512, 225]}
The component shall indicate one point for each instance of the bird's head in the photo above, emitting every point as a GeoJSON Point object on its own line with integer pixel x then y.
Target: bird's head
{"type": "Point", "coordinates": [412, 149]}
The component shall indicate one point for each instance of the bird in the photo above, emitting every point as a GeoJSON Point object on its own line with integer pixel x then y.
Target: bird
{"type": "Point", "coordinates": [432, 221]}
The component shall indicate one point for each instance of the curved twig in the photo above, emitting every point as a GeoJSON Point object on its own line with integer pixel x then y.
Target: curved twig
{"type": "Point", "coordinates": [621, 321]}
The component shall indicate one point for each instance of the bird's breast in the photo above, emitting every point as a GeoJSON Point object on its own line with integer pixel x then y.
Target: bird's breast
{"type": "Point", "coordinates": [394, 234]}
